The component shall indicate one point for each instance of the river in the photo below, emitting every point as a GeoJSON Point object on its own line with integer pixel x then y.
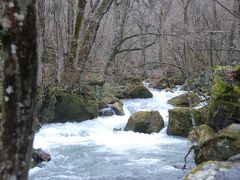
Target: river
{"type": "Point", "coordinates": [90, 150]}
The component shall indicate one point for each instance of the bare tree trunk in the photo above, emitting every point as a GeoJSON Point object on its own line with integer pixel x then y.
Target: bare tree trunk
{"type": "Point", "coordinates": [120, 17]}
{"type": "Point", "coordinates": [20, 83]}
{"type": "Point", "coordinates": [89, 29]}
{"type": "Point", "coordinates": [78, 27]}
{"type": "Point", "coordinates": [185, 26]}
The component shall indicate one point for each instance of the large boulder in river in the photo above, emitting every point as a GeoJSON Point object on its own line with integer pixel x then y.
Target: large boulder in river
{"type": "Point", "coordinates": [183, 101]}
{"type": "Point", "coordinates": [215, 170]}
{"type": "Point", "coordinates": [220, 147]}
{"type": "Point", "coordinates": [180, 122]}
{"type": "Point", "coordinates": [145, 122]}
{"type": "Point", "coordinates": [138, 91]}
{"type": "Point", "coordinates": [201, 133]}
{"type": "Point", "coordinates": [224, 106]}
{"type": "Point", "coordinates": [74, 108]}
{"type": "Point", "coordinates": [66, 107]}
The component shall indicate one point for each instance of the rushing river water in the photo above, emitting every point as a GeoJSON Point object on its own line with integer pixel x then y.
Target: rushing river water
{"type": "Point", "coordinates": [90, 150]}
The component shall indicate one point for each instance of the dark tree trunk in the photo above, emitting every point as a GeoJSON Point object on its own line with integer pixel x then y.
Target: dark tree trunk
{"type": "Point", "coordinates": [20, 83]}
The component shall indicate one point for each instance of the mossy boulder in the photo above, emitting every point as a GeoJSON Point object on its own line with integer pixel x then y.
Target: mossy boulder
{"type": "Point", "coordinates": [215, 170]}
{"type": "Point", "coordinates": [47, 110]}
{"type": "Point", "coordinates": [118, 108]}
{"type": "Point", "coordinates": [221, 147]}
{"type": "Point", "coordinates": [233, 129]}
{"type": "Point", "coordinates": [138, 91]}
{"type": "Point", "coordinates": [145, 122]}
{"type": "Point", "coordinates": [74, 108]}
{"type": "Point", "coordinates": [224, 106]}
{"type": "Point", "coordinates": [60, 106]}
{"type": "Point", "coordinates": [201, 133]}
{"type": "Point", "coordinates": [180, 122]}
{"type": "Point", "coordinates": [183, 101]}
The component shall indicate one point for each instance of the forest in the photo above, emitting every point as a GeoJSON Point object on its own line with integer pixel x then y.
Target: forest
{"type": "Point", "coordinates": [119, 89]}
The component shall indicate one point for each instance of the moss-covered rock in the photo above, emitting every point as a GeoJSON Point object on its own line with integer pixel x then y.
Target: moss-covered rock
{"type": "Point", "coordinates": [180, 123]}
{"type": "Point", "coordinates": [231, 129]}
{"type": "Point", "coordinates": [47, 110]}
{"type": "Point", "coordinates": [215, 170]}
{"type": "Point", "coordinates": [118, 108]}
{"type": "Point", "coordinates": [221, 147]}
{"type": "Point", "coordinates": [224, 107]}
{"type": "Point", "coordinates": [74, 108]}
{"type": "Point", "coordinates": [145, 122]}
{"type": "Point", "coordinates": [138, 91]}
{"type": "Point", "coordinates": [201, 133]}
{"type": "Point", "coordinates": [182, 100]}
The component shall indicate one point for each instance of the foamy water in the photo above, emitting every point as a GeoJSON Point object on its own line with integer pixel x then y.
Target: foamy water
{"type": "Point", "coordinates": [91, 150]}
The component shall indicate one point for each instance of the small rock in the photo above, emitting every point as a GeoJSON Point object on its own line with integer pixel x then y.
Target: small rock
{"type": "Point", "coordinates": [118, 108]}
{"type": "Point", "coordinates": [40, 156]}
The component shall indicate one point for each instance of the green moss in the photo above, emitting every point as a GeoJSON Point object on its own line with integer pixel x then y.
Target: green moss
{"type": "Point", "coordinates": [183, 101]}
{"type": "Point", "coordinates": [201, 133]}
{"type": "Point", "coordinates": [70, 104]}
{"type": "Point", "coordinates": [145, 122]}
{"type": "Point", "coordinates": [220, 147]}
{"type": "Point", "coordinates": [180, 122]}
{"type": "Point", "coordinates": [224, 106]}
{"type": "Point", "coordinates": [200, 167]}
{"type": "Point", "coordinates": [48, 111]}
{"type": "Point", "coordinates": [92, 108]}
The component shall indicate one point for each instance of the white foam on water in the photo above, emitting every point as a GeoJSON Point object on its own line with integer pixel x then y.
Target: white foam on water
{"type": "Point", "coordinates": [99, 131]}
{"type": "Point", "coordinates": [99, 135]}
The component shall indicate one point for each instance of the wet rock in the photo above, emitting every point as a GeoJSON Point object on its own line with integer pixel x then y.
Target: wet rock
{"type": "Point", "coordinates": [118, 108]}
{"type": "Point", "coordinates": [215, 170]}
{"type": "Point", "coordinates": [201, 133]}
{"type": "Point", "coordinates": [107, 111]}
{"type": "Point", "coordinates": [180, 123]}
{"type": "Point", "coordinates": [145, 122]}
{"type": "Point", "coordinates": [182, 100]}
{"type": "Point", "coordinates": [221, 147]}
{"type": "Point", "coordinates": [138, 91]}
{"type": "Point", "coordinates": [39, 156]}
{"type": "Point", "coordinates": [224, 108]}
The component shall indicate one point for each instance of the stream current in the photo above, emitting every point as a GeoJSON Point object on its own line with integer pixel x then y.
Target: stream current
{"type": "Point", "coordinates": [90, 150]}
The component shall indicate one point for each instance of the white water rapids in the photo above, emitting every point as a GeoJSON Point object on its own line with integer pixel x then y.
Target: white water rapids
{"type": "Point", "coordinates": [90, 150]}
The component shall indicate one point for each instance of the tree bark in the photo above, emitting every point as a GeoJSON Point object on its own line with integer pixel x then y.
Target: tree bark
{"type": "Point", "coordinates": [20, 83]}
{"type": "Point", "coordinates": [88, 32]}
